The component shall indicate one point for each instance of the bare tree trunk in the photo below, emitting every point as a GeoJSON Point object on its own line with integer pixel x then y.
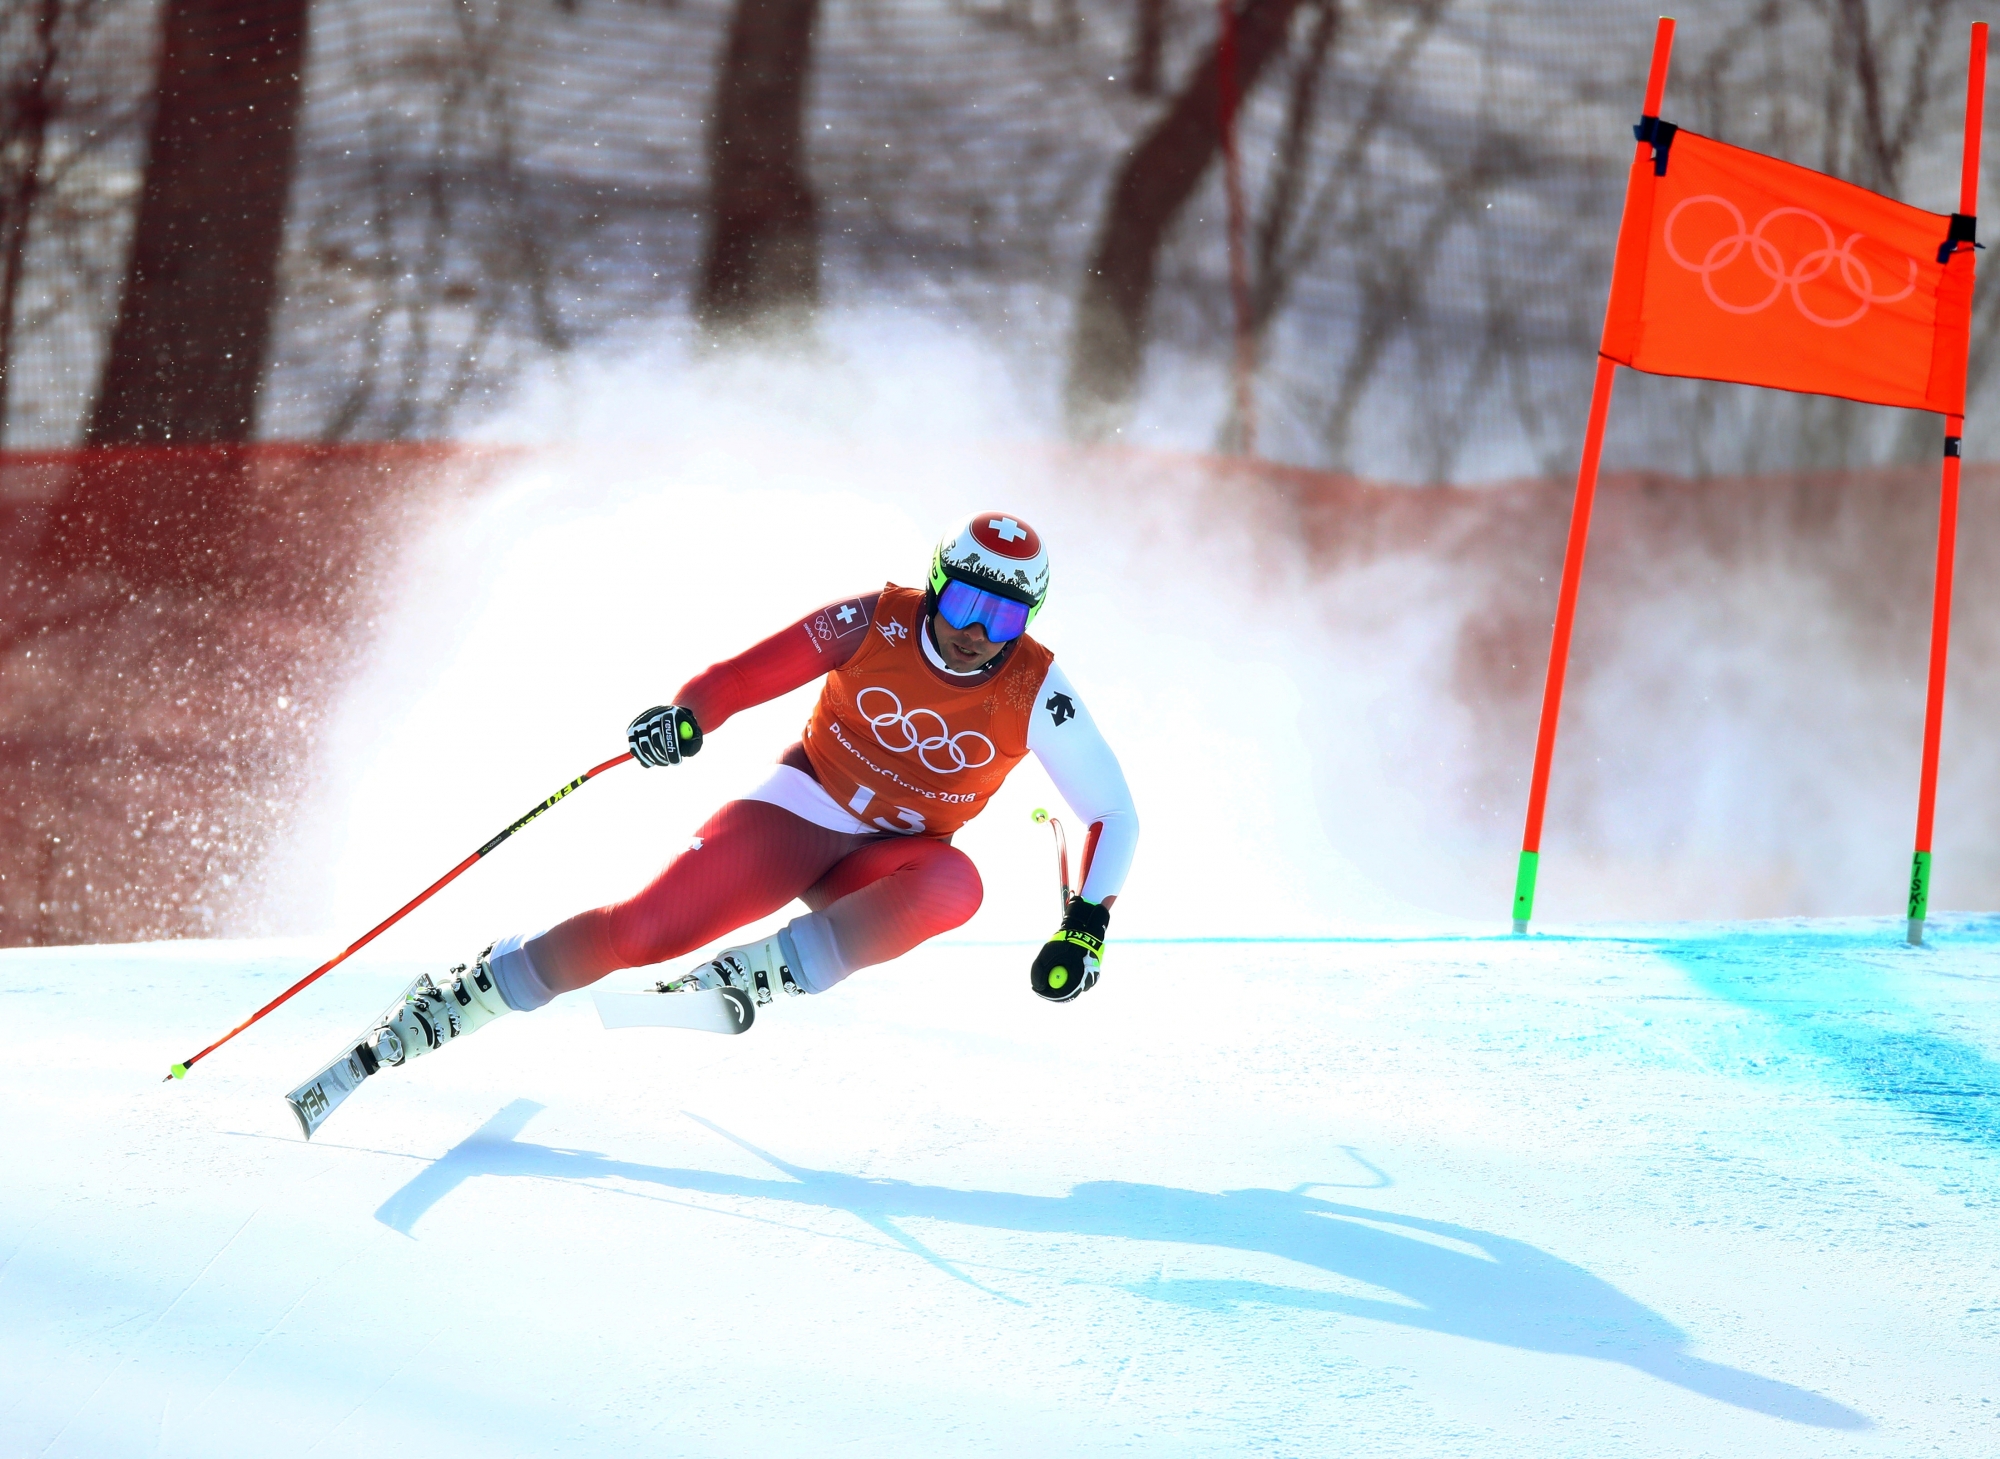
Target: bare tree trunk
{"type": "Point", "coordinates": [1860, 59]}
{"type": "Point", "coordinates": [25, 133]}
{"type": "Point", "coordinates": [1158, 178]}
{"type": "Point", "coordinates": [1149, 40]}
{"type": "Point", "coordinates": [762, 256]}
{"type": "Point", "coordinates": [1281, 203]}
{"type": "Point", "coordinates": [194, 324]}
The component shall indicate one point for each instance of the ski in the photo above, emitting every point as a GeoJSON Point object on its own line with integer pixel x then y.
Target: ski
{"type": "Point", "coordinates": [711, 1010]}
{"type": "Point", "coordinates": [322, 1094]}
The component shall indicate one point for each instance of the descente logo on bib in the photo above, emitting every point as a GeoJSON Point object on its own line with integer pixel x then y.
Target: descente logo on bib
{"type": "Point", "coordinates": [922, 732]}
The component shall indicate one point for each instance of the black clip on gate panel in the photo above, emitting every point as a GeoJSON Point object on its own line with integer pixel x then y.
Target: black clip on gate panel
{"type": "Point", "coordinates": [1661, 135]}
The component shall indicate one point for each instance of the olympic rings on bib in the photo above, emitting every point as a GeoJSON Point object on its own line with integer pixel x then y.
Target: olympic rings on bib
{"type": "Point", "coordinates": [1770, 261]}
{"type": "Point", "coordinates": [910, 737]}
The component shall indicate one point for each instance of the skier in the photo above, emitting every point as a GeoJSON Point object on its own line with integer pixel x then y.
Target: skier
{"type": "Point", "coordinates": [930, 698]}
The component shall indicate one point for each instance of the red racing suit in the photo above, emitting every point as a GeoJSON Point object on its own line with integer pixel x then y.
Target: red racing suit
{"type": "Point", "coordinates": [855, 819]}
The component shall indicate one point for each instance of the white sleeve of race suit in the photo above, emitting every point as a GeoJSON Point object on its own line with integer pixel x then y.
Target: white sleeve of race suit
{"type": "Point", "coordinates": [1065, 739]}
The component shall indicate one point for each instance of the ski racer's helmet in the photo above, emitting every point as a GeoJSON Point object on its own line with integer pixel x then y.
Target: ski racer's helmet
{"type": "Point", "coordinates": [992, 570]}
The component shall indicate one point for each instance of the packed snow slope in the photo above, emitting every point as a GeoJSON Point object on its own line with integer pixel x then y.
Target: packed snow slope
{"type": "Point", "coordinates": [1657, 1190]}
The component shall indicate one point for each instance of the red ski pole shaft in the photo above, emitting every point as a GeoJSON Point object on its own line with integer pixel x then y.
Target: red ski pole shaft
{"type": "Point", "coordinates": [179, 1071]}
{"type": "Point", "coordinates": [1062, 855]}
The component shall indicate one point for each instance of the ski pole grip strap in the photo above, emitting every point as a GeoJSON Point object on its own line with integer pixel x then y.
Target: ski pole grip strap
{"type": "Point", "coordinates": [1094, 946]}
{"type": "Point", "coordinates": [1085, 924]}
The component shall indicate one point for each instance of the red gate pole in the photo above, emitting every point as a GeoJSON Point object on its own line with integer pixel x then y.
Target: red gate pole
{"type": "Point", "coordinates": [1579, 535]}
{"type": "Point", "coordinates": [1954, 427]}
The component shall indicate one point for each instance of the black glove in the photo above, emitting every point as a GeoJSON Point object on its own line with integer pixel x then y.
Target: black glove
{"type": "Point", "coordinates": [1068, 962]}
{"type": "Point", "coordinates": [664, 735]}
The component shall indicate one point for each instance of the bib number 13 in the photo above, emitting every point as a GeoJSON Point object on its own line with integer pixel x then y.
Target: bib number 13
{"type": "Point", "coordinates": [909, 823]}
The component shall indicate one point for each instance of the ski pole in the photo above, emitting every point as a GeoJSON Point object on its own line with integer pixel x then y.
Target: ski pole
{"type": "Point", "coordinates": [1062, 854]}
{"type": "Point", "coordinates": [179, 1071]}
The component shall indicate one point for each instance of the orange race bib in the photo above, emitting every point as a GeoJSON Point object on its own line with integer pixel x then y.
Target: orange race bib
{"type": "Point", "coordinates": [906, 747]}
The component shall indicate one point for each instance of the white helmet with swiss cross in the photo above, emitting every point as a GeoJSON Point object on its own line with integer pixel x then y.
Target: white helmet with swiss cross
{"type": "Point", "coordinates": [996, 553]}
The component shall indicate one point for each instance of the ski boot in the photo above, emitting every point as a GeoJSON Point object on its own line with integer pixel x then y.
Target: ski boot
{"type": "Point", "coordinates": [430, 1015]}
{"type": "Point", "coordinates": [757, 968]}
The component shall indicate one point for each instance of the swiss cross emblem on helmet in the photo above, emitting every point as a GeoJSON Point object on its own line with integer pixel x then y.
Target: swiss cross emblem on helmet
{"type": "Point", "coordinates": [1006, 536]}
{"type": "Point", "coordinates": [999, 552]}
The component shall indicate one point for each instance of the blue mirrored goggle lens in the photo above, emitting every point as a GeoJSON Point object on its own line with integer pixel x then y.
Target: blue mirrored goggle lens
{"type": "Point", "coordinates": [962, 605]}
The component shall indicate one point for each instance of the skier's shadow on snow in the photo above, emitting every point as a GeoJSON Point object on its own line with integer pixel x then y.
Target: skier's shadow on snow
{"type": "Point", "coordinates": [1441, 1277]}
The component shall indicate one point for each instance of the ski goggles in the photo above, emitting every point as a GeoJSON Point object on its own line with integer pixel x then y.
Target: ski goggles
{"type": "Point", "coordinates": [962, 605]}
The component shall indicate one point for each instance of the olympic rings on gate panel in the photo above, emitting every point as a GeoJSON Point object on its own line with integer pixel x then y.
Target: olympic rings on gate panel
{"type": "Point", "coordinates": [1770, 262]}
{"type": "Point", "coordinates": [916, 739]}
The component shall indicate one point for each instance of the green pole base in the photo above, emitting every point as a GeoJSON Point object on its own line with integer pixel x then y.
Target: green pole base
{"type": "Point", "coordinates": [1524, 889]}
{"type": "Point", "coordinates": [179, 1071]}
{"type": "Point", "coordinates": [1920, 896]}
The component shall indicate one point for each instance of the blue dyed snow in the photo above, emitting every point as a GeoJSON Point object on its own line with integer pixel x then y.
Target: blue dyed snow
{"type": "Point", "coordinates": [1878, 1018]}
